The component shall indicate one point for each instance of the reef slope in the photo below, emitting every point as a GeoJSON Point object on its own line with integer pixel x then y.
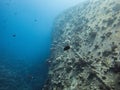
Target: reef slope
{"type": "Point", "coordinates": [85, 53]}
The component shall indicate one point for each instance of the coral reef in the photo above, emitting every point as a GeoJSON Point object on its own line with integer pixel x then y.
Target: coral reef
{"type": "Point", "coordinates": [92, 60]}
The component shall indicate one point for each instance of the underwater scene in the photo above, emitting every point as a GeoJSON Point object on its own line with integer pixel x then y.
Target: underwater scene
{"type": "Point", "coordinates": [59, 45]}
{"type": "Point", "coordinates": [25, 41]}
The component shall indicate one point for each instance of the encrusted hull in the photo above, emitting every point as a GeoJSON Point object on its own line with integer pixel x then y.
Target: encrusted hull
{"type": "Point", "coordinates": [92, 30]}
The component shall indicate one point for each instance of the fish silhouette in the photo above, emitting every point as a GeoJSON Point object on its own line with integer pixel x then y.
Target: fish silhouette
{"type": "Point", "coordinates": [66, 47]}
{"type": "Point", "coordinates": [13, 35]}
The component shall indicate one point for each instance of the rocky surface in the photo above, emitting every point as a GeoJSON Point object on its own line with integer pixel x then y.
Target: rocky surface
{"type": "Point", "coordinates": [85, 53]}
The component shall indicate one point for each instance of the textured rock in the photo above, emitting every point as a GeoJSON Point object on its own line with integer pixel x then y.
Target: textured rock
{"type": "Point", "coordinates": [92, 62]}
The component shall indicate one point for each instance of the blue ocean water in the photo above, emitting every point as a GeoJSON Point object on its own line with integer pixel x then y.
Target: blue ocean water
{"type": "Point", "coordinates": [25, 39]}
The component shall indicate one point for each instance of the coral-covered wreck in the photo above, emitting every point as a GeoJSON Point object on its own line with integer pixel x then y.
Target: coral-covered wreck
{"type": "Point", "coordinates": [85, 53]}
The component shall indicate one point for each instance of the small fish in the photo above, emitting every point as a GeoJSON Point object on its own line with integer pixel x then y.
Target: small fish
{"type": "Point", "coordinates": [35, 20]}
{"type": "Point", "coordinates": [13, 35]}
{"type": "Point", "coordinates": [66, 47]}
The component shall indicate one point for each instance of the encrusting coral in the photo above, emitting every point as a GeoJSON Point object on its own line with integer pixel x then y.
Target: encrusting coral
{"type": "Point", "coordinates": [90, 35]}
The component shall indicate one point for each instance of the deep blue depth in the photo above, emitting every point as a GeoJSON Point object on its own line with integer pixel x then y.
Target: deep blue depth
{"type": "Point", "coordinates": [25, 39]}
